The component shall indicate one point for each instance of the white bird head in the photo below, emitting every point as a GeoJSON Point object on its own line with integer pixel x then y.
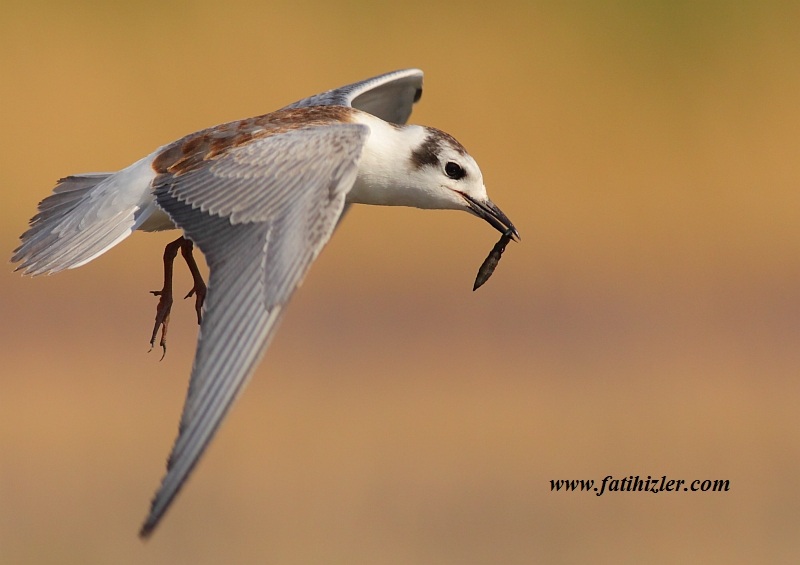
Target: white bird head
{"type": "Point", "coordinates": [425, 168]}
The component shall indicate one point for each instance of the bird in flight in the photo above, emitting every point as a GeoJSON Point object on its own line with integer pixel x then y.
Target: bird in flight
{"type": "Point", "coordinates": [260, 198]}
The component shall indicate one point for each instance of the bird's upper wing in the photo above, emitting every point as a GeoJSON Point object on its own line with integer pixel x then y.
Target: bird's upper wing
{"type": "Point", "coordinates": [390, 96]}
{"type": "Point", "coordinates": [260, 212]}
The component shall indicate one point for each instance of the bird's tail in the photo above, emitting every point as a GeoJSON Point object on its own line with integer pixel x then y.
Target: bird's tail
{"type": "Point", "coordinates": [74, 225]}
{"type": "Point", "coordinates": [85, 216]}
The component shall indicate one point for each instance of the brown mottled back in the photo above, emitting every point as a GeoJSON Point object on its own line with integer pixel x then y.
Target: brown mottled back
{"type": "Point", "coordinates": [192, 151]}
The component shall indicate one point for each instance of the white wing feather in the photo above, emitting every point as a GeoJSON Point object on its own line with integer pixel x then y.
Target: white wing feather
{"type": "Point", "coordinates": [261, 214]}
{"type": "Point", "coordinates": [390, 96]}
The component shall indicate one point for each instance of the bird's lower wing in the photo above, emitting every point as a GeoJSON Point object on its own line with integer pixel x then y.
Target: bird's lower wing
{"type": "Point", "coordinates": [257, 256]}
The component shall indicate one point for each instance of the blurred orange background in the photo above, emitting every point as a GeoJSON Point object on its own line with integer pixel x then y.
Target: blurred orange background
{"type": "Point", "coordinates": [648, 323]}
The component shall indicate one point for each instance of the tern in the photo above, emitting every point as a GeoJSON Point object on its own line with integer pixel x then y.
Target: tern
{"type": "Point", "coordinates": [260, 198]}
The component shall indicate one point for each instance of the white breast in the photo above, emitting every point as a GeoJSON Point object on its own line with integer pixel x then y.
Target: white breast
{"type": "Point", "coordinates": [385, 176]}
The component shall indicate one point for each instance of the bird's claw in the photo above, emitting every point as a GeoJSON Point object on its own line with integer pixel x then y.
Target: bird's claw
{"type": "Point", "coordinates": [162, 319]}
{"type": "Point", "coordinates": [199, 291]}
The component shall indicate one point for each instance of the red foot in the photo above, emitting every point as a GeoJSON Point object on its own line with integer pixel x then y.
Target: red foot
{"type": "Point", "coordinates": [165, 294]}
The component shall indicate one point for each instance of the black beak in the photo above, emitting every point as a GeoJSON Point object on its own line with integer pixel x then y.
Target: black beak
{"type": "Point", "coordinates": [492, 214]}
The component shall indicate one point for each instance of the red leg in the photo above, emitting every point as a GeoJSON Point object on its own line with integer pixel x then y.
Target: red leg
{"type": "Point", "coordinates": [199, 288]}
{"type": "Point", "coordinates": [165, 295]}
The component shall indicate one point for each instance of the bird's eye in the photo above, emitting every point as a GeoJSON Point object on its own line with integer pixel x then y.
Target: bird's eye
{"type": "Point", "coordinates": [454, 170]}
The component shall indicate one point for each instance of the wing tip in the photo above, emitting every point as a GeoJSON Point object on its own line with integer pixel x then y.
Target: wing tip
{"type": "Point", "coordinates": [153, 518]}
{"type": "Point", "coordinates": [147, 530]}
{"type": "Point", "coordinates": [158, 507]}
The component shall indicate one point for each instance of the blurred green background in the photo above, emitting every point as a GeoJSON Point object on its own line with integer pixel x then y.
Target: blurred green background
{"type": "Point", "coordinates": [648, 323]}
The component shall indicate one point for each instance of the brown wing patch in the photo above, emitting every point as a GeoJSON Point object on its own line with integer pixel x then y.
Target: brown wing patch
{"type": "Point", "coordinates": [192, 151]}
